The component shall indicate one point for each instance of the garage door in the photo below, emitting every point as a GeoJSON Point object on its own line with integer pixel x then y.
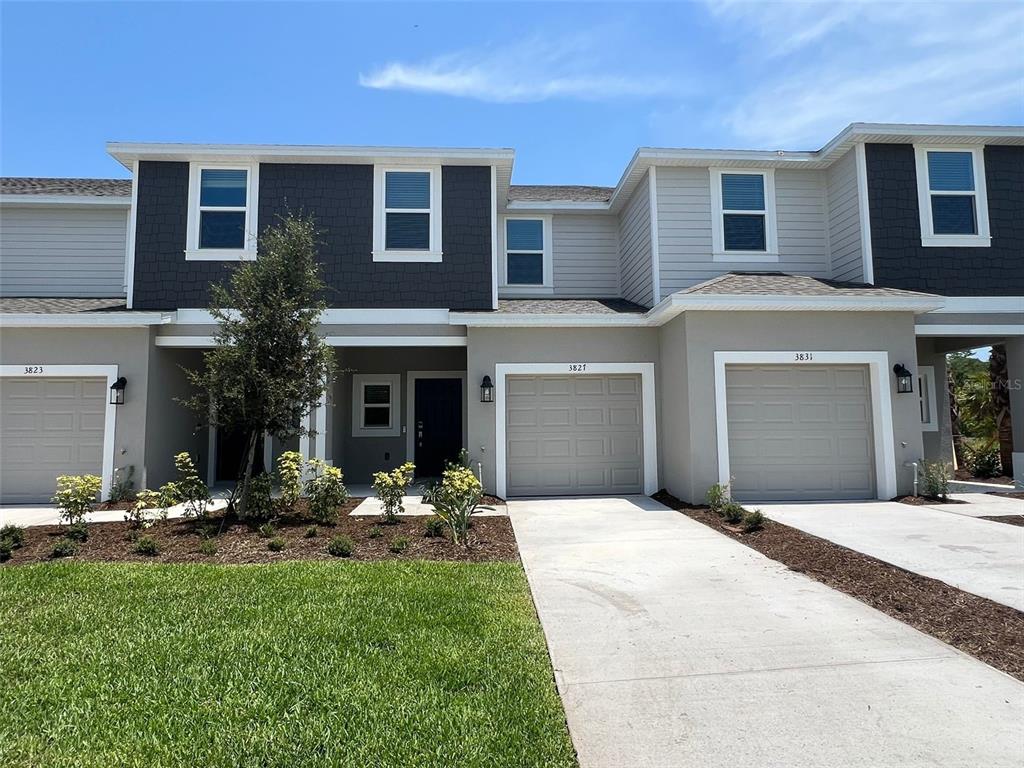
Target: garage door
{"type": "Point", "coordinates": [50, 427]}
{"type": "Point", "coordinates": [800, 432]}
{"type": "Point", "coordinates": [573, 435]}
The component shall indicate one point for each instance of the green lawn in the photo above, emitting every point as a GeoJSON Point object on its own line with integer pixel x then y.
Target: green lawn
{"type": "Point", "coordinates": [335, 664]}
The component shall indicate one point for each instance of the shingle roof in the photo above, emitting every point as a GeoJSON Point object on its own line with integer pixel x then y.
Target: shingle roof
{"type": "Point", "coordinates": [568, 306]}
{"type": "Point", "coordinates": [781, 284]}
{"type": "Point", "coordinates": [548, 193]}
{"type": "Point", "coordinates": [57, 306]}
{"type": "Point", "coordinates": [24, 185]}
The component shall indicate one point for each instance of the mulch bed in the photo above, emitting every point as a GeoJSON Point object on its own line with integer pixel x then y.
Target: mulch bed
{"type": "Point", "coordinates": [989, 631]}
{"type": "Point", "coordinates": [1008, 519]}
{"type": "Point", "coordinates": [925, 501]}
{"type": "Point", "coordinates": [491, 539]}
{"type": "Point", "coordinates": [1008, 494]}
{"type": "Point", "coordinates": [966, 477]}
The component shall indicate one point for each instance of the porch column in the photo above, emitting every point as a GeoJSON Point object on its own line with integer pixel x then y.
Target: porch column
{"type": "Point", "coordinates": [1015, 381]}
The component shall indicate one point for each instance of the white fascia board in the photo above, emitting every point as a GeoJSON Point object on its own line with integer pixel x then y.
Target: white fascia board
{"type": "Point", "coordinates": [27, 201]}
{"type": "Point", "coordinates": [512, 320]}
{"type": "Point", "coordinates": [85, 319]}
{"type": "Point", "coordinates": [675, 304]}
{"type": "Point", "coordinates": [938, 329]}
{"type": "Point", "coordinates": [983, 304]}
{"type": "Point", "coordinates": [126, 152]}
{"type": "Point", "coordinates": [341, 317]}
{"type": "Point", "coordinates": [557, 205]}
{"type": "Point", "coordinates": [396, 341]}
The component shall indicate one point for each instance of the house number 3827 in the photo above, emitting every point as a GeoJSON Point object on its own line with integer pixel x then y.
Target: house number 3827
{"type": "Point", "coordinates": [803, 357]}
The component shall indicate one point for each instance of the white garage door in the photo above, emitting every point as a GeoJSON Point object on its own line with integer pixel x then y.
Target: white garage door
{"type": "Point", "coordinates": [800, 432]}
{"type": "Point", "coordinates": [573, 435]}
{"type": "Point", "coordinates": [48, 427]}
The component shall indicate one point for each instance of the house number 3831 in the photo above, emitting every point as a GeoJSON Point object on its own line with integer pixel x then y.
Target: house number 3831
{"type": "Point", "coordinates": [803, 357]}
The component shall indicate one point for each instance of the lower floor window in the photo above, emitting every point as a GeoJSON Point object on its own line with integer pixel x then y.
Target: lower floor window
{"type": "Point", "coordinates": [374, 405]}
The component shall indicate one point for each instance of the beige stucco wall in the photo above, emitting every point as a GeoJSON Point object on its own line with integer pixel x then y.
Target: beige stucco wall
{"type": "Point", "coordinates": [938, 445]}
{"type": "Point", "coordinates": [172, 428]}
{"type": "Point", "coordinates": [708, 332]}
{"type": "Point", "coordinates": [124, 347]}
{"type": "Point", "coordinates": [490, 346]}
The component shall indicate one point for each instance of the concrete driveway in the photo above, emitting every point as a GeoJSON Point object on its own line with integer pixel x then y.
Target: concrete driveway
{"type": "Point", "coordinates": [983, 557]}
{"type": "Point", "coordinates": [674, 645]}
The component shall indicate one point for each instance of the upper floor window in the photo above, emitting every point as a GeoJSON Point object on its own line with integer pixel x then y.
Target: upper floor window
{"type": "Point", "coordinates": [527, 252]}
{"type": "Point", "coordinates": [407, 214]}
{"type": "Point", "coordinates": [951, 196]}
{"type": "Point", "coordinates": [221, 217]}
{"type": "Point", "coordinates": [743, 208]}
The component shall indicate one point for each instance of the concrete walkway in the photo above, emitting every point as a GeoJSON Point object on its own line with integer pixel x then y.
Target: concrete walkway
{"type": "Point", "coordinates": [674, 645]}
{"type": "Point", "coordinates": [979, 556]}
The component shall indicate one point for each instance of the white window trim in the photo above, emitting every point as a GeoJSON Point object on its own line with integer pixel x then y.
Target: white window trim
{"type": "Point", "coordinates": [192, 250]}
{"type": "Point", "coordinates": [924, 203]}
{"type": "Point", "coordinates": [881, 405]}
{"type": "Point", "coordinates": [547, 286]}
{"type": "Point", "coordinates": [36, 370]}
{"type": "Point", "coordinates": [771, 236]}
{"type": "Point", "coordinates": [926, 382]}
{"type": "Point", "coordinates": [648, 409]}
{"type": "Point", "coordinates": [380, 254]}
{"type": "Point", "coordinates": [394, 428]}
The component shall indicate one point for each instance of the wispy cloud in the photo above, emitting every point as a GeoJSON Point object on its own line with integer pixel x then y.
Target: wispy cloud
{"type": "Point", "coordinates": [829, 65]}
{"type": "Point", "coordinates": [531, 70]}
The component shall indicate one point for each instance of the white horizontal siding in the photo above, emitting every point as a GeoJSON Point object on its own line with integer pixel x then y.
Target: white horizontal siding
{"type": "Point", "coordinates": [585, 255]}
{"type": "Point", "coordinates": [635, 247]}
{"type": "Point", "coordinates": [844, 220]}
{"type": "Point", "coordinates": [52, 251]}
{"type": "Point", "coordinates": [684, 227]}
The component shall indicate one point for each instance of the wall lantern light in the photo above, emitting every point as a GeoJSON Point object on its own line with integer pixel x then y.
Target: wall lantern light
{"type": "Point", "coordinates": [487, 390]}
{"type": "Point", "coordinates": [904, 379]}
{"type": "Point", "coordinates": [117, 391]}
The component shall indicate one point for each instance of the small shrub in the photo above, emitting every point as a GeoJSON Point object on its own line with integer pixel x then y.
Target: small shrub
{"type": "Point", "coordinates": [14, 534]}
{"type": "Point", "coordinates": [276, 544]}
{"type": "Point", "coordinates": [6, 548]}
{"type": "Point", "coordinates": [732, 512]}
{"type": "Point", "coordinates": [77, 532]}
{"type": "Point", "coordinates": [289, 476]}
{"type": "Point", "coordinates": [190, 488]}
{"type": "Point", "coordinates": [170, 494]}
{"type": "Point", "coordinates": [75, 496]}
{"type": "Point", "coordinates": [935, 477]}
{"type": "Point", "coordinates": [208, 547]}
{"type": "Point", "coordinates": [64, 548]}
{"type": "Point", "coordinates": [390, 488]}
{"type": "Point", "coordinates": [341, 546]}
{"type": "Point", "coordinates": [399, 544]}
{"type": "Point", "coordinates": [147, 508]}
{"type": "Point", "coordinates": [983, 460]}
{"type": "Point", "coordinates": [207, 529]}
{"type": "Point", "coordinates": [753, 521]}
{"type": "Point", "coordinates": [456, 499]}
{"type": "Point", "coordinates": [121, 484]}
{"type": "Point", "coordinates": [261, 503]}
{"type": "Point", "coordinates": [325, 491]}
{"type": "Point", "coordinates": [375, 532]}
{"type": "Point", "coordinates": [717, 497]}
{"type": "Point", "coordinates": [433, 527]}
{"type": "Point", "coordinates": [311, 532]}
{"type": "Point", "coordinates": [146, 545]}
{"type": "Point", "coordinates": [267, 530]}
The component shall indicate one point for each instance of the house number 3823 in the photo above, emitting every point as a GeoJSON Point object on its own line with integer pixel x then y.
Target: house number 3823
{"type": "Point", "coordinates": [803, 357]}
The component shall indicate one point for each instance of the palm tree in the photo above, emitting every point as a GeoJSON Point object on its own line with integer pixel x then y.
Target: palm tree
{"type": "Point", "coordinates": [1000, 406]}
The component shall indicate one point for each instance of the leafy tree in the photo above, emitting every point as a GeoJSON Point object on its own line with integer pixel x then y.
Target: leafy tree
{"type": "Point", "coordinates": [269, 364]}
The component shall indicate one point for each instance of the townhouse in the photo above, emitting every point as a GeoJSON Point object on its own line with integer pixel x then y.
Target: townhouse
{"type": "Point", "coordinates": [774, 320]}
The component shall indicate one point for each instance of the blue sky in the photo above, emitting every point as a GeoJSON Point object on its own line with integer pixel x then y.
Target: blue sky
{"type": "Point", "coordinates": [573, 87]}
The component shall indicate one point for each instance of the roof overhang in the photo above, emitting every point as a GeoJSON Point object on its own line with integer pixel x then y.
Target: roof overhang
{"type": "Point", "coordinates": [91, 201]}
{"type": "Point", "coordinates": [678, 303]}
{"type": "Point", "coordinates": [84, 319]}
